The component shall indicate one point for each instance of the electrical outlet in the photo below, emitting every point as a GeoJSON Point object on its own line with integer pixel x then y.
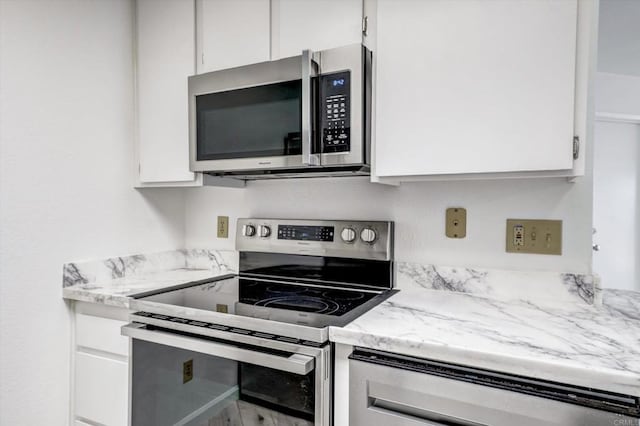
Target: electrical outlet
{"type": "Point", "coordinates": [223, 226]}
{"type": "Point", "coordinates": [456, 224]}
{"type": "Point", "coordinates": [534, 236]}
{"type": "Point", "coordinates": [518, 236]}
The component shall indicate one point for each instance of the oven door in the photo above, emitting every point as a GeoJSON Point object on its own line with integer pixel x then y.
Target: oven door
{"type": "Point", "coordinates": [265, 116]}
{"type": "Point", "coordinates": [182, 379]}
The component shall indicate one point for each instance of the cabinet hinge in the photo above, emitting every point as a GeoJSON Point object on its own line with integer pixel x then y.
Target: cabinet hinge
{"type": "Point", "coordinates": [365, 25]}
{"type": "Point", "coordinates": [576, 147]}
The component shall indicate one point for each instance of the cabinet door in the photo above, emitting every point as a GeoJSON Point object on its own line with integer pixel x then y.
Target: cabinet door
{"type": "Point", "coordinates": [474, 86]}
{"type": "Point", "coordinates": [165, 58]}
{"type": "Point", "coordinates": [101, 389]}
{"type": "Point", "coordinates": [102, 334]}
{"type": "Point", "coordinates": [232, 33]}
{"type": "Point", "coordinates": [315, 25]}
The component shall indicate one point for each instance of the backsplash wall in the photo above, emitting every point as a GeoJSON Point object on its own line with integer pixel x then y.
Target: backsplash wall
{"type": "Point", "coordinates": [418, 210]}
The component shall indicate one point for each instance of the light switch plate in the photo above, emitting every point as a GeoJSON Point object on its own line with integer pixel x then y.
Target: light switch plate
{"type": "Point", "coordinates": [534, 236]}
{"type": "Point", "coordinates": [223, 226]}
{"type": "Point", "coordinates": [456, 226]}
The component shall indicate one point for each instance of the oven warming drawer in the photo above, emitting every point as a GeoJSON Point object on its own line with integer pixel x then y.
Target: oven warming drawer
{"type": "Point", "coordinates": [387, 389]}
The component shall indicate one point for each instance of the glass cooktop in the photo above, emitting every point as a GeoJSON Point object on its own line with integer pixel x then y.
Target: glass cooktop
{"type": "Point", "coordinates": [269, 300]}
{"type": "Point", "coordinates": [319, 300]}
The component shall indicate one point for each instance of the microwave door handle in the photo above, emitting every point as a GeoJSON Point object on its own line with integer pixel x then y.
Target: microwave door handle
{"type": "Point", "coordinates": [309, 69]}
{"type": "Point", "coordinates": [294, 363]}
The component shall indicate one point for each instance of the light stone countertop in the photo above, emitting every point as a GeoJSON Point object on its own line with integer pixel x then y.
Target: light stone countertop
{"type": "Point", "coordinates": [578, 344]}
{"type": "Point", "coordinates": [113, 281]}
{"type": "Point", "coordinates": [572, 332]}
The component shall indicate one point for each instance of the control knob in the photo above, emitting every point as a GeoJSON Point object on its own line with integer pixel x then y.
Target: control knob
{"type": "Point", "coordinates": [264, 231]}
{"type": "Point", "coordinates": [368, 235]}
{"type": "Point", "coordinates": [348, 235]}
{"type": "Point", "coordinates": [248, 230]}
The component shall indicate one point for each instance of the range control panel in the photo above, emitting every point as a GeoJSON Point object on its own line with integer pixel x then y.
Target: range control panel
{"type": "Point", "coordinates": [335, 115]}
{"type": "Point", "coordinates": [335, 238]}
{"type": "Point", "coordinates": [305, 233]}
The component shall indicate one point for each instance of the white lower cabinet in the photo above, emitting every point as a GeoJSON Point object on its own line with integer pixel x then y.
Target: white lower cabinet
{"type": "Point", "coordinates": [101, 389]}
{"type": "Point", "coordinates": [100, 368]}
{"type": "Point", "coordinates": [341, 385]}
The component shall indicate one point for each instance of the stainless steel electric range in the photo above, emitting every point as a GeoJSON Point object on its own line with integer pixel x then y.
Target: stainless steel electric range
{"type": "Point", "coordinates": [254, 348]}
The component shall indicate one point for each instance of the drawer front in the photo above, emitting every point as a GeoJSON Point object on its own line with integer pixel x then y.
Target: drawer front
{"type": "Point", "coordinates": [101, 389]}
{"type": "Point", "coordinates": [381, 395]}
{"type": "Point", "coordinates": [101, 334]}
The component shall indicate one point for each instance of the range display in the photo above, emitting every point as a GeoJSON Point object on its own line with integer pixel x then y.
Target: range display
{"type": "Point", "coordinates": [305, 233]}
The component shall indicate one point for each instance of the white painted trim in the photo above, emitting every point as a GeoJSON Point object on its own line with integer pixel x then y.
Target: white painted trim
{"type": "Point", "coordinates": [617, 117]}
{"type": "Point", "coordinates": [199, 34]}
{"type": "Point", "coordinates": [274, 29]}
{"type": "Point", "coordinates": [586, 68]}
{"type": "Point", "coordinates": [102, 354]}
{"type": "Point", "coordinates": [134, 62]}
{"type": "Point", "coordinates": [72, 362]}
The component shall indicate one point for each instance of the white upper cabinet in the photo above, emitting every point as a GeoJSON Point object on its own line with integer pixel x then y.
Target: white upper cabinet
{"type": "Point", "coordinates": [232, 33]}
{"type": "Point", "coordinates": [315, 25]}
{"type": "Point", "coordinates": [470, 86]}
{"type": "Point", "coordinates": [165, 57]}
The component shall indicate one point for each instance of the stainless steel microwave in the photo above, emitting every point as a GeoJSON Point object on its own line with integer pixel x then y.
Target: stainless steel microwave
{"type": "Point", "coordinates": [307, 114]}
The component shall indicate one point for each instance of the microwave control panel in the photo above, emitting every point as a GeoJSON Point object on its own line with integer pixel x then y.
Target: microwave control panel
{"type": "Point", "coordinates": [335, 115]}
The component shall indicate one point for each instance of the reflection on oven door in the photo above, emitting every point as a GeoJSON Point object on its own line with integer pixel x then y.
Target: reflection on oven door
{"type": "Point", "coordinates": [173, 386]}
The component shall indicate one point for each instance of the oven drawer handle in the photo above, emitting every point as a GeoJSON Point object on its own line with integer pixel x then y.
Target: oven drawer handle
{"type": "Point", "coordinates": [416, 414]}
{"type": "Point", "coordinates": [309, 69]}
{"type": "Point", "coordinates": [295, 363]}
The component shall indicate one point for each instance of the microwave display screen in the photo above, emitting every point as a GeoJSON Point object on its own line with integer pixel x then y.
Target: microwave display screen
{"type": "Point", "coordinates": [261, 121]}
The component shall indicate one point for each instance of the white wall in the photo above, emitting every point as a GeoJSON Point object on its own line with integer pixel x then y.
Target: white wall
{"type": "Point", "coordinates": [66, 191]}
{"type": "Point", "coordinates": [617, 93]}
{"type": "Point", "coordinates": [617, 145]}
{"type": "Point", "coordinates": [619, 37]}
{"type": "Point", "coordinates": [616, 200]}
{"type": "Point", "coordinates": [419, 211]}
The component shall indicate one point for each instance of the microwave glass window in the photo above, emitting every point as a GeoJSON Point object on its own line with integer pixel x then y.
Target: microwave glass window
{"type": "Point", "coordinates": [258, 121]}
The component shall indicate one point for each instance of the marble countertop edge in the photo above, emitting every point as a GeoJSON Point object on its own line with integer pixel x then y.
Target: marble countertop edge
{"type": "Point", "coordinates": [96, 296]}
{"type": "Point", "coordinates": [120, 295]}
{"type": "Point", "coordinates": [556, 371]}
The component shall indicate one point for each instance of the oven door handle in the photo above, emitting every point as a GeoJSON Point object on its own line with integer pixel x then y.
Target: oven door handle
{"type": "Point", "coordinates": [294, 363]}
{"type": "Point", "coordinates": [309, 69]}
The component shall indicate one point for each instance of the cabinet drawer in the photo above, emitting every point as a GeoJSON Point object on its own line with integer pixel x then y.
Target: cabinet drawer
{"type": "Point", "coordinates": [101, 389]}
{"type": "Point", "coordinates": [102, 334]}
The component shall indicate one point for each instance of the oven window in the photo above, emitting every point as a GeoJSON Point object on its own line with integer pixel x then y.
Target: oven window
{"type": "Point", "coordinates": [258, 121]}
{"type": "Point", "coordinates": [286, 392]}
{"type": "Point", "coordinates": [172, 386]}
